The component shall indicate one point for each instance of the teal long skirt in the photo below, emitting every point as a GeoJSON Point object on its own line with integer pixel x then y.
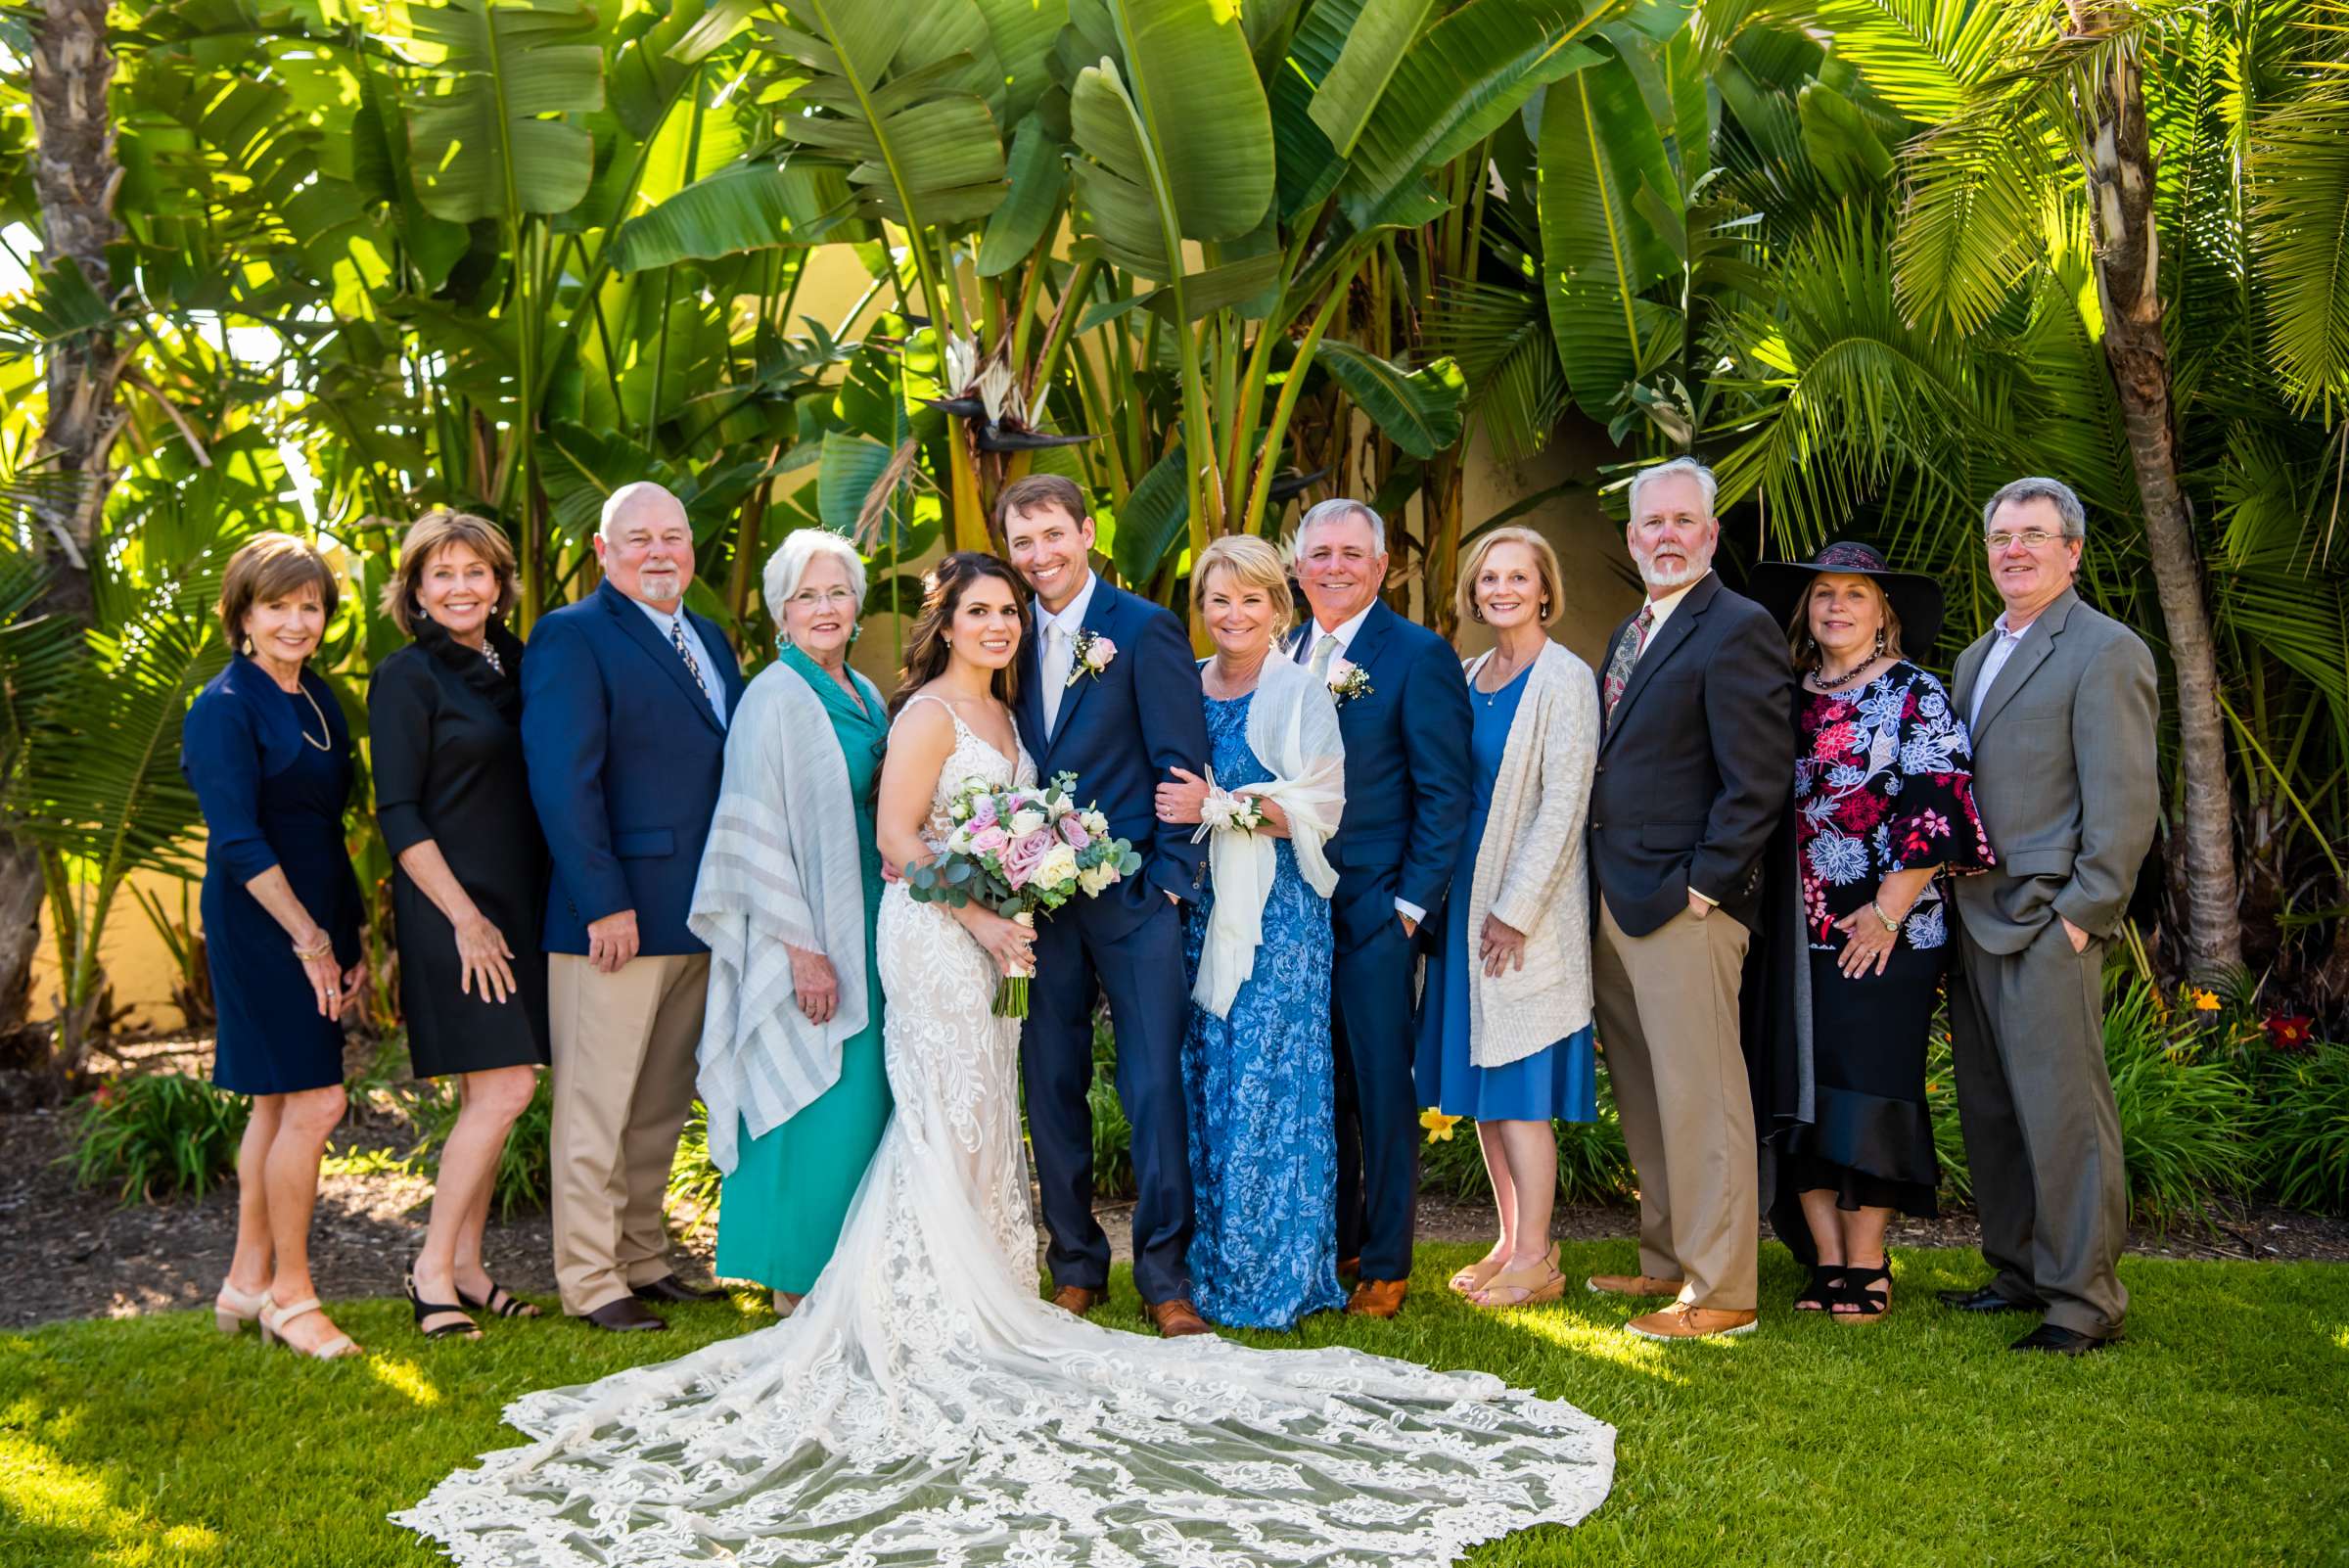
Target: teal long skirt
{"type": "Point", "coordinates": [779, 1213]}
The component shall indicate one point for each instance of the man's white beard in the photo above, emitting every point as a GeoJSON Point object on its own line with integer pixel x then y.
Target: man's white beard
{"type": "Point", "coordinates": [1689, 570]}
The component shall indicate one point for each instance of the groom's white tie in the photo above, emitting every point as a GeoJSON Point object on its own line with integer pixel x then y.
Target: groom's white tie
{"type": "Point", "coordinates": [1057, 656]}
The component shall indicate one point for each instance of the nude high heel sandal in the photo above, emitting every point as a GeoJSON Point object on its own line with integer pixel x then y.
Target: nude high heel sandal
{"type": "Point", "coordinates": [274, 1319]}
{"type": "Point", "coordinates": [233, 1309]}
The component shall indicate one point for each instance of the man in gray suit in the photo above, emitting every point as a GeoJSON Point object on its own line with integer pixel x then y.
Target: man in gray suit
{"type": "Point", "coordinates": [2061, 704]}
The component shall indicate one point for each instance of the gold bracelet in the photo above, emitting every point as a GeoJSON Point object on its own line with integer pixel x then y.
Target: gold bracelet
{"type": "Point", "coordinates": [326, 946]}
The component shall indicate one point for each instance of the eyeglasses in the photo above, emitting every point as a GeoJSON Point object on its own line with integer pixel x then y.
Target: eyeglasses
{"type": "Point", "coordinates": [823, 599]}
{"type": "Point", "coordinates": [2029, 539]}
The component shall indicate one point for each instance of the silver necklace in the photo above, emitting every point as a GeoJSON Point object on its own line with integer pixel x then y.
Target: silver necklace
{"type": "Point", "coordinates": [326, 745]}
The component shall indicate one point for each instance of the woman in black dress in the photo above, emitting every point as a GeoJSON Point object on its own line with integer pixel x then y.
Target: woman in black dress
{"type": "Point", "coordinates": [1883, 802]}
{"type": "Point", "coordinates": [445, 717]}
{"type": "Point", "coordinates": [265, 748]}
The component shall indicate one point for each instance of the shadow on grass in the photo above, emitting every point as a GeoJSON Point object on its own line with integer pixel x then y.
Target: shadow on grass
{"type": "Point", "coordinates": [2212, 1436]}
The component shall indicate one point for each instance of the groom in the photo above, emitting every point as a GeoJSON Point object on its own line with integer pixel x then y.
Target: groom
{"type": "Point", "coordinates": [1402, 708]}
{"type": "Point", "coordinates": [1108, 692]}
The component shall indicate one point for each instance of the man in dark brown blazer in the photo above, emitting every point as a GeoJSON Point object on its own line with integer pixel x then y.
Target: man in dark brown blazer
{"type": "Point", "coordinates": [1694, 768]}
{"type": "Point", "coordinates": [2061, 702]}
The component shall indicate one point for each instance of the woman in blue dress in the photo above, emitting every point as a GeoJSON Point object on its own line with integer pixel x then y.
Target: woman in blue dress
{"type": "Point", "coordinates": [1504, 1028]}
{"type": "Point", "coordinates": [266, 750]}
{"type": "Point", "coordinates": [1257, 1063]}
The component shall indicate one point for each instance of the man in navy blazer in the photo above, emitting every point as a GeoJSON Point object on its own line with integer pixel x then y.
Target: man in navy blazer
{"type": "Point", "coordinates": [1402, 709]}
{"type": "Point", "coordinates": [626, 697]}
{"type": "Point", "coordinates": [1108, 691]}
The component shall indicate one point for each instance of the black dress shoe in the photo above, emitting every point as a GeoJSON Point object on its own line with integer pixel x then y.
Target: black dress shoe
{"type": "Point", "coordinates": [669, 1287]}
{"type": "Point", "coordinates": [626, 1315]}
{"type": "Point", "coordinates": [2059, 1341]}
{"type": "Point", "coordinates": [1982, 1299]}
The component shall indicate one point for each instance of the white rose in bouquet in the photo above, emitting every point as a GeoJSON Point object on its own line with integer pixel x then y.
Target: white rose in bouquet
{"type": "Point", "coordinates": [1093, 878]}
{"type": "Point", "coordinates": [1058, 868]}
{"type": "Point", "coordinates": [1025, 822]}
{"type": "Point", "coordinates": [1095, 825]}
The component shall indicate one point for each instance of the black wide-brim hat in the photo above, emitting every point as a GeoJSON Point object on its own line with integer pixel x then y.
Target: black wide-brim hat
{"type": "Point", "coordinates": [1780, 587]}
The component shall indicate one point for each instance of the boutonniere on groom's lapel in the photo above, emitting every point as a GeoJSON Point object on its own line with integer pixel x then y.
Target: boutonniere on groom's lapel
{"type": "Point", "coordinates": [1348, 680]}
{"type": "Point", "coordinates": [1089, 656]}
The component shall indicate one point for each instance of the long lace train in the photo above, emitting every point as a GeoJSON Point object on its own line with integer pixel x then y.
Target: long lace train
{"type": "Point", "coordinates": [925, 1407]}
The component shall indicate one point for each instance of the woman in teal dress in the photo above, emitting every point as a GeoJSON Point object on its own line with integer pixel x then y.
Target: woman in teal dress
{"type": "Point", "coordinates": [790, 1062]}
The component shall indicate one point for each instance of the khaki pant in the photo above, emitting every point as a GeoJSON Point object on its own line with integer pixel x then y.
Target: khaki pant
{"type": "Point", "coordinates": [624, 1056]}
{"type": "Point", "coordinates": [1667, 1015]}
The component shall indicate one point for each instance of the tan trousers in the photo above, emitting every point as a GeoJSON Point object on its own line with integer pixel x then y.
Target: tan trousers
{"type": "Point", "coordinates": [624, 1049]}
{"type": "Point", "coordinates": [1667, 1015]}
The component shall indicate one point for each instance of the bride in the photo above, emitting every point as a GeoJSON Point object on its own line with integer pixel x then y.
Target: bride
{"type": "Point", "coordinates": [925, 1406]}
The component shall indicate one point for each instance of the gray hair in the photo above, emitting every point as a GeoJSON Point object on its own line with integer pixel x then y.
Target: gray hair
{"type": "Point", "coordinates": [1685, 466]}
{"type": "Point", "coordinates": [799, 549]}
{"type": "Point", "coordinates": [1337, 510]}
{"type": "Point", "coordinates": [629, 497]}
{"type": "Point", "coordinates": [2068, 510]}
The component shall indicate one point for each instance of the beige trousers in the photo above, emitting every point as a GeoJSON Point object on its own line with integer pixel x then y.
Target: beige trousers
{"type": "Point", "coordinates": [624, 1055]}
{"type": "Point", "coordinates": [1667, 1015]}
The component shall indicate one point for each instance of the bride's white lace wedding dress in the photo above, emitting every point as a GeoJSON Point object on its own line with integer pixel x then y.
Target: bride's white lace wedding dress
{"type": "Point", "coordinates": [926, 1406]}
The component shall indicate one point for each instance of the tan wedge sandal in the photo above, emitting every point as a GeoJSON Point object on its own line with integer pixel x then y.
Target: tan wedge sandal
{"type": "Point", "coordinates": [1523, 1287]}
{"type": "Point", "coordinates": [274, 1319]}
{"type": "Point", "coordinates": [1471, 1279]}
{"type": "Point", "coordinates": [233, 1309]}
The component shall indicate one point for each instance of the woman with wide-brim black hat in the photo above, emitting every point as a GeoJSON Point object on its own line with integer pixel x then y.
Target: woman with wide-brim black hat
{"type": "Point", "coordinates": [1882, 809]}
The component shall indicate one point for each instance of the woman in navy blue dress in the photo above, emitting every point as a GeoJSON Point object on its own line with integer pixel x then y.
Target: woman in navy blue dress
{"type": "Point", "coordinates": [268, 754]}
{"type": "Point", "coordinates": [1256, 1074]}
{"type": "Point", "coordinates": [1504, 1029]}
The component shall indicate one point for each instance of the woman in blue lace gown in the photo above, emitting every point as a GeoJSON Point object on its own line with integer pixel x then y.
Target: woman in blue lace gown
{"type": "Point", "coordinates": [1257, 1078]}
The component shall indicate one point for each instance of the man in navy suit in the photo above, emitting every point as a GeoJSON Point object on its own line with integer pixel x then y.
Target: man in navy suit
{"type": "Point", "coordinates": [626, 697]}
{"type": "Point", "coordinates": [1108, 691]}
{"type": "Point", "coordinates": [1402, 709]}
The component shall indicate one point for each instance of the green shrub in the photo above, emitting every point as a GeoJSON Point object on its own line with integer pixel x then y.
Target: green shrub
{"type": "Point", "coordinates": [2304, 1130]}
{"type": "Point", "coordinates": [158, 1135]}
{"type": "Point", "coordinates": [522, 1165]}
{"type": "Point", "coordinates": [2182, 1116]}
{"type": "Point", "coordinates": [1594, 1166]}
{"type": "Point", "coordinates": [693, 1181]}
{"type": "Point", "coordinates": [1941, 1102]}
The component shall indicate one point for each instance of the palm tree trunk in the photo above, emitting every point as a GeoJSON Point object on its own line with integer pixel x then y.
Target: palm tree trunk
{"type": "Point", "coordinates": [75, 175]}
{"type": "Point", "coordinates": [2120, 180]}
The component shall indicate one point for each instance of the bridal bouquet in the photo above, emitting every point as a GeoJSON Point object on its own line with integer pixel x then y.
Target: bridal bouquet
{"type": "Point", "coordinates": [1020, 853]}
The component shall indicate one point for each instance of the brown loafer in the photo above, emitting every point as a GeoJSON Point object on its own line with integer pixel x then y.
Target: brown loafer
{"type": "Point", "coordinates": [1178, 1317]}
{"type": "Point", "coordinates": [1078, 1298]}
{"type": "Point", "coordinates": [1634, 1286]}
{"type": "Point", "coordinates": [1692, 1322]}
{"type": "Point", "coordinates": [1377, 1297]}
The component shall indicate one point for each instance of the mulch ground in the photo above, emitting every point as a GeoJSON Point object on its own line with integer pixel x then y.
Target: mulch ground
{"type": "Point", "coordinates": [83, 1253]}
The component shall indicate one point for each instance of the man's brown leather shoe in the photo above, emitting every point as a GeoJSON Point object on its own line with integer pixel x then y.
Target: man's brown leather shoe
{"type": "Point", "coordinates": [1078, 1298]}
{"type": "Point", "coordinates": [1178, 1317]}
{"type": "Point", "coordinates": [626, 1315]}
{"type": "Point", "coordinates": [1634, 1286]}
{"type": "Point", "coordinates": [1377, 1297]}
{"type": "Point", "coordinates": [1691, 1323]}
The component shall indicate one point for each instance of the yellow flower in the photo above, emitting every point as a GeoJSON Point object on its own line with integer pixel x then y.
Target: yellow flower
{"type": "Point", "coordinates": [2206, 1001]}
{"type": "Point", "coordinates": [1438, 1124]}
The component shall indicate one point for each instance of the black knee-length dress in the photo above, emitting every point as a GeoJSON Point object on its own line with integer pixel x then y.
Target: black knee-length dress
{"type": "Point", "coordinates": [446, 747]}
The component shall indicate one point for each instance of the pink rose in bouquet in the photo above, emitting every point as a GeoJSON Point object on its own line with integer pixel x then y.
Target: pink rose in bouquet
{"type": "Point", "coordinates": [990, 840]}
{"type": "Point", "coordinates": [1025, 854]}
{"type": "Point", "coordinates": [1072, 833]}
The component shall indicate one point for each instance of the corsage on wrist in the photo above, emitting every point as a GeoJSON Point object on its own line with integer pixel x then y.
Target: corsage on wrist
{"type": "Point", "coordinates": [1226, 812]}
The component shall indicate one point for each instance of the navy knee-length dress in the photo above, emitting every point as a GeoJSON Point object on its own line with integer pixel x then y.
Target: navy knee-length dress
{"type": "Point", "coordinates": [273, 791]}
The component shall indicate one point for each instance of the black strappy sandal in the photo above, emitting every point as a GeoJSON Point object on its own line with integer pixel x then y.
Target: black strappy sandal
{"type": "Point", "coordinates": [1826, 1284]}
{"type": "Point", "coordinates": [499, 1302]}
{"type": "Point", "coordinates": [1867, 1305]}
{"type": "Point", "coordinates": [426, 1309]}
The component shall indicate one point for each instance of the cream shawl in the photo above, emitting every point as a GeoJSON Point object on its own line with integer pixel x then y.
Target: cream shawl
{"type": "Point", "coordinates": [780, 871]}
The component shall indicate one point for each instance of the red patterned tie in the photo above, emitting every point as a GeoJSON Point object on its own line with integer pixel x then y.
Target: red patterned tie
{"type": "Point", "coordinates": [1626, 655]}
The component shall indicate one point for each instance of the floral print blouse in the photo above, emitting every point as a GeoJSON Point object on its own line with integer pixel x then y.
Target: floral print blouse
{"type": "Point", "coordinates": [1884, 782]}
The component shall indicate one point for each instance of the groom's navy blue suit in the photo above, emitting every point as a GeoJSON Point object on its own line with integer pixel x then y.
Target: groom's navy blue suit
{"type": "Point", "coordinates": [1118, 731]}
{"type": "Point", "coordinates": [1409, 791]}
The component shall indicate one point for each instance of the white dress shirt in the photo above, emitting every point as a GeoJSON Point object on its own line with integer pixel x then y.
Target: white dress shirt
{"type": "Point", "coordinates": [1344, 632]}
{"type": "Point", "coordinates": [1994, 660]}
{"type": "Point", "coordinates": [711, 682]}
{"type": "Point", "coordinates": [1056, 640]}
{"type": "Point", "coordinates": [1660, 610]}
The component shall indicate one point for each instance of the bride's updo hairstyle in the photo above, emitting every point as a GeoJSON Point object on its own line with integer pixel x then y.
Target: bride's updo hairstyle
{"type": "Point", "coordinates": [942, 591]}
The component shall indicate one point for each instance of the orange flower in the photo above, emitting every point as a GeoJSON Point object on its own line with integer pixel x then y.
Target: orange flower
{"type": "Point", "coordinates": [2206, 1001]}
{"type": "Point", "coordinates": [1439, 1126]}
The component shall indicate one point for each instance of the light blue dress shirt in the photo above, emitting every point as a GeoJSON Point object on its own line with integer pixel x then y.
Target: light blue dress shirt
{"type": "Point", "coordinates": [712, 682]}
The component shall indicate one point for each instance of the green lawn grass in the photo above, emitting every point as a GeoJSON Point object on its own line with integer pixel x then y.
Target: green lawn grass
{"type": "Point", "coordinates": [2219, 1434]}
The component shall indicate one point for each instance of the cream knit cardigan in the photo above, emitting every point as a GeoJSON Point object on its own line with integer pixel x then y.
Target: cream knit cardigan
{"type": "Point", "coordinates": [1530, 868]}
